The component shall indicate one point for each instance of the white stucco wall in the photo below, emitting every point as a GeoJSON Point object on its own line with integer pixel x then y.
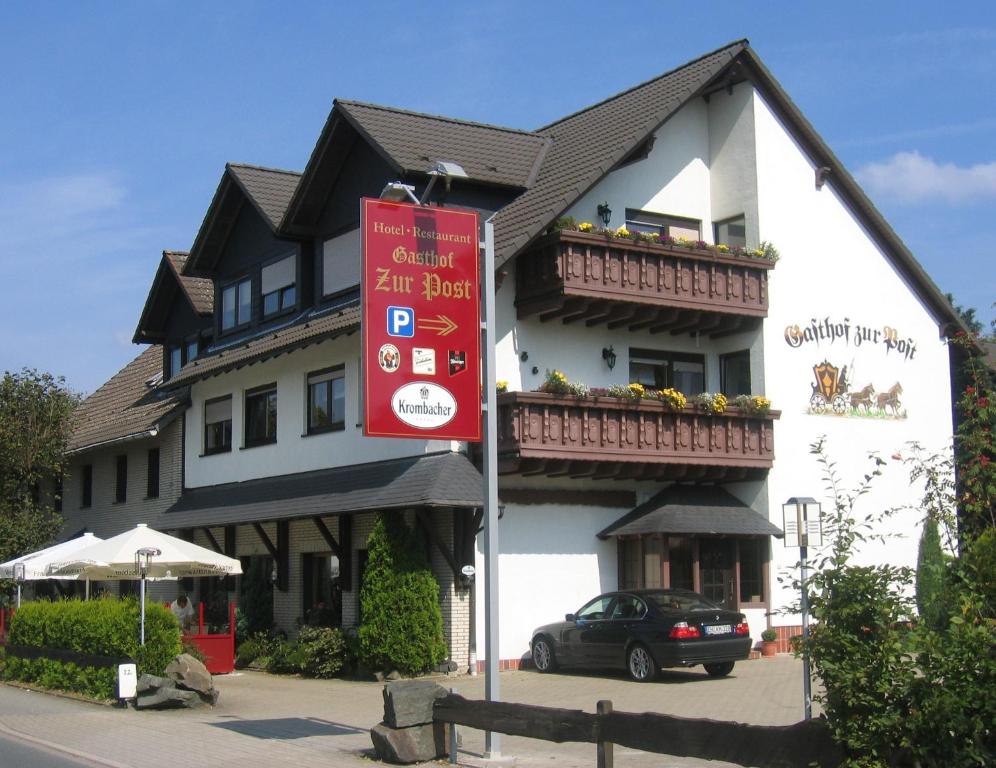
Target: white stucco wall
{"type": "Point", "coordinates": [830, 268]}
{"type": "Point", "coordinates": [294, 451]}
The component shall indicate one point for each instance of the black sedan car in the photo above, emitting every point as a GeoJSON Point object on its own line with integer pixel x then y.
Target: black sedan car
{"type": "Point", "coordinates": [643, 631]}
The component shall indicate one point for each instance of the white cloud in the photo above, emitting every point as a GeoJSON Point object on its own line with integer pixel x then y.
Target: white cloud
{"type": "Point", "coordinates": [909, 177]}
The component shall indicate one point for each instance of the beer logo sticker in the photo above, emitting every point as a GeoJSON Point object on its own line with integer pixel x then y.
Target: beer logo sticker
{"type": "Point", "coordinates": [457, 360]}
{"type": "Point", "coordinates": [389, 358]}
{"type": "Point", "coordinates": [423, 405]}
{"type": "Point", "coordinates": [424, 361]}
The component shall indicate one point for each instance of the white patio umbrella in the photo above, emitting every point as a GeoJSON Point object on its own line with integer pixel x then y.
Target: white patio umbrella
{"type": "Point", "coordinates": [144, 553]}
{"type": "Point", "coordinates": [34, 566]}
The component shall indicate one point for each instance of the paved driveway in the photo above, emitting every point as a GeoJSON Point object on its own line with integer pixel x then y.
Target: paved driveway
{"type": "Point", "coordinates": [267, 720]}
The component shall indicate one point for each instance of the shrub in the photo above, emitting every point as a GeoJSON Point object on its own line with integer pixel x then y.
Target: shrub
{"type": "Point", "coordinates": [931, 597]}
{"type": "Point", "coordinates": [255, 613]}
{"type": "Point", "coordinates": [105, 627]}
{"type": "Point", "coordinates": [402, 626]}
{"type": "Point", "coordinates": [323, 651]}
{"type": "Point", "coordinates": [285, 658]}
{"type": "Point", "coordinates": [256, 647]}
{"type": "Point", "coordinates": [769, 635]}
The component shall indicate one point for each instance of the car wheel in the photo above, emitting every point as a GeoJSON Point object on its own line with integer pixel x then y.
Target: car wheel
{"type": "Point", "coordinates": [719, 670]}
{"type": "Point", "coordinates": [543, 658]}
{"type": "Point", "coordinates": [640, 664]}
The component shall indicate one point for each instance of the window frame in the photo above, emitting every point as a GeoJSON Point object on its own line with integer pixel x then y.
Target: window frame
{"type": "Point", "coordinates": [121, 478]}
{"type": "Point", "coordinates": [282, 308]}
{"type": "Point", "coordinates": [725, 222]}
{"type": "Point", "coordinates": [265, 390]}
{"type": "Point", "coordinates": [333, 373]}
{"type": "Point", "coordinates": [660, 222]}
{"type": "Point", "coordinates": [86, 486]}
{"type": "Point", "coordinates": [726, 358]}
{"type": "Point", "coordinates": [236, 285]}
{"type": "Point", "coordinates": [668, 359]}
{"type": "Point", "coordinates": [152, 473]}
{"type": "Point", "coordinates": [225, 447]}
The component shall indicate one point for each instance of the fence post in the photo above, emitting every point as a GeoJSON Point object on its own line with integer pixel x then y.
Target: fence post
{"type": "Point", "coordinates": [603, 749]}
{"type": "Point", "coordinates": [453, 739]}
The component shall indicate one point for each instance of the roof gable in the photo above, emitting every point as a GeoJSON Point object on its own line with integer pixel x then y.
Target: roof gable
{"type": "Point", "coordinates": [169, 280]}
{"type": "Point", "coordinates": [587, 145]}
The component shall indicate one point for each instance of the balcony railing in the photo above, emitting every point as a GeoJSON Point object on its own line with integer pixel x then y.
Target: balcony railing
{"type": "Point", "coordinates": [574, 276]}
{"type": "Point", "coordinates": [608, 437]}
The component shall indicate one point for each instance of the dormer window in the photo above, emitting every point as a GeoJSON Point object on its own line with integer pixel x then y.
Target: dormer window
{"type": "Point", "coordinates": [175, 361]}
{"type": "Point", "coordinates": [278, 286]}
{"type": "Point", "coordinates": [192, 350]}
{"type": "Point", "coordinates": [236, 304]}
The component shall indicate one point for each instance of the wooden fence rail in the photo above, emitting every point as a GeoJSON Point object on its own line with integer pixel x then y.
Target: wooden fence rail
{"type": "Point", "coordinates": [802, 745]}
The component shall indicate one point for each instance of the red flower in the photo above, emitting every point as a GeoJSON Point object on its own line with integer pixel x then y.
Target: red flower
{"type": "Point", "coordinates": [970, 390]}
{"type": "Point", "coordinates": [983, 402]}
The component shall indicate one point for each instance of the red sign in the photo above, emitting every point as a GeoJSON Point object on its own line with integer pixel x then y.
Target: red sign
{"type": "Point", "coordinates": [421, 322]}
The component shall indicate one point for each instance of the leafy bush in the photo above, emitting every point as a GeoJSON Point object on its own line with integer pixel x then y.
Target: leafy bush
{"type": "Point", "coordinates": [105, 627]}
{"type": "Point", "coordinates": [402, 626]}
{"type": "Point", "coordinates": [285, 658]}
{"type": "Point", "coordinates": [323, 650]}
{"type": "Point", "coordinates": [256, 647]}
{"type": "Point", "coordinates": [255, 612]}
{"type": "Point", "coordinates": [931, 592]}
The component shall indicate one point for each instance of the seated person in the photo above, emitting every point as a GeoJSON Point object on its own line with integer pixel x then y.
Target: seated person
{"type": "Point", "coordinates": [184, 612]}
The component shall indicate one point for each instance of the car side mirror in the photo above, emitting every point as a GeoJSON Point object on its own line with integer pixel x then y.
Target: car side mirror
{"type": "Point", "coordinates": [570, 617]}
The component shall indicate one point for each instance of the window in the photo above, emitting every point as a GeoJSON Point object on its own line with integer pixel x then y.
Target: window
{"type": "Point", "coordinates": [192, 350]}
{"type": "Point", "coordinates": [734, 373]}
{"type": "Point", "coordinates": [236, 304]}
{"type": "Point", "coordinates": [326, 400]}
{"type": "Point", "coordinates": [218, 425]}
{"type": "Point", "coordinates": [121, 479]}
{"type": "Point", "coordinates": [175, 361]}
{"type": "Point", "coordinates": [733, 232]}
{"type": "Point", "coordinates": [753, 553]}
{"type": "Point", "coordinates": [660, 370]}
{"type": "Point", "coordinates": [674, 226]}
{"type": "Point", "coordinates": [277, 284]}
{"type": "Point", "coordinates": [261, 415]}
{"type": "Point", "coordinates": [152, 476]}
{"type": "Point", "coordinates": [86, 490]}
{"type": "Point", "coordinates": [341, 263]}
{"type": "Point", "coordinates": [627, 607]}
{"type": "Point", "coordinates": [595, 610]}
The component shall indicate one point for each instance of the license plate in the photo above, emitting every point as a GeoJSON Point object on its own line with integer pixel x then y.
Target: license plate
{"type": "Point", "coordinates": [718, 629]}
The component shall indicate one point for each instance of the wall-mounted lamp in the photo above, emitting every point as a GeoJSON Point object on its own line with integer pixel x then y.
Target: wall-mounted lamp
{"type": "Point", "coordinates": [609, 356]}
{"type": "Point", "coordinates": [605, 213]}
{"type": "Point", "coordinates": [274, 574]}
{"type": "Point", "coordinates": [523, 355]}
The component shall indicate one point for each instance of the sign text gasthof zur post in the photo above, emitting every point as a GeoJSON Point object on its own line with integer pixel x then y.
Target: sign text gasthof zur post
{"type": "Point", "coordinates": [421, 322]}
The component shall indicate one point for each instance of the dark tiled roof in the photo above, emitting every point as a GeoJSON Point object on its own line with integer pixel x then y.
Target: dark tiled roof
{"type": "Point", "coordinates": [199, 290]}
{"type": "Point", "coordinates": [436, 480]}
{"type": "Point", "coordinates": [412, 141]}
{"type": "Point", "coordinates": [316, 328]}
{"type": "Point", "coordinates": [269, 189]}
{"type": "Point", "coordinates": [126, 406]}
{"type": "Point", "coordinates": [587, 145]}
{"type": "Point", "coordinates": [692, 509]}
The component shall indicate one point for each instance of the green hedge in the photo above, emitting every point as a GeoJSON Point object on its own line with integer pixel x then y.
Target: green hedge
{"type": "Point", "coordinates": [105, 627]}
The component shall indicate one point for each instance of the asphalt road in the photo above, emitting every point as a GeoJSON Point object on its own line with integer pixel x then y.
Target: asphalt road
{"type": "Point", "coordinates": [18, 754]}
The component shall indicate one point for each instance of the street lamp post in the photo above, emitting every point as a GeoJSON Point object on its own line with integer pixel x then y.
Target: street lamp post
{"type": "Point", "coordinates": [19, 574]}
{"type": "Point", "coordinates": [802, 519]}
{"type": "Point", "coordinates": [142, 558]}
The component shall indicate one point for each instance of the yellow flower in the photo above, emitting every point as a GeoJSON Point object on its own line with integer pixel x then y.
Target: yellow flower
{"type": "Point", "coordinates": [585, 226]}
{"type": "Point", "coordinates": [501, 385]}
{"type": "Point", "coordinates": [622, 232]}
{"type": "Point", "coordinates": [637, 390]}
{"type": "Point", "coordinates": [723, 248]}
{"type": "Point", "coordinates": [719, 403]}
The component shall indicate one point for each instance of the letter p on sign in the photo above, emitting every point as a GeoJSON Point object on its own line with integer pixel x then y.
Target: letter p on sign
{"type": "Point", "coordinates": [400, 321]}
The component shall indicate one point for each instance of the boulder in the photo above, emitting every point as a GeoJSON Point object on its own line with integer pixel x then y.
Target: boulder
{"type": "Point", "coordinates": [151, 683]}
{"type": "Point", "coordinates": [167, 697]}
{"type": "Point", "coordinates": [415, 744]}
{"type": "Point", "coordinates": [409, 702]}
{"type": "Point", "coordinates": [188, 673]}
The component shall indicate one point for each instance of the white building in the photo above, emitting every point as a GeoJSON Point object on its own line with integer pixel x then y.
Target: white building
{"type": "Point", "coordinates": [844, 334]}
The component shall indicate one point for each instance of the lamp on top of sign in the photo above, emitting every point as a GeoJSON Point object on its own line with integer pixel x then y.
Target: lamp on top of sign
{"type": "Point", "coordinates": [421, 322]}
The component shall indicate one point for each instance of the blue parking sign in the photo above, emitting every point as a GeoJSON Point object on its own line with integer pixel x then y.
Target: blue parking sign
{"type": "Point", "coordinates": [401, 321]}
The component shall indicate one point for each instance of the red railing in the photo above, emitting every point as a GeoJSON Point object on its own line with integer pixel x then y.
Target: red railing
{"type": "Point", "coordinates": [218, 649]}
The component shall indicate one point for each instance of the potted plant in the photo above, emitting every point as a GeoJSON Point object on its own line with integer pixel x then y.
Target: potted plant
{"type": "Point", "coordinates": [769, 643]}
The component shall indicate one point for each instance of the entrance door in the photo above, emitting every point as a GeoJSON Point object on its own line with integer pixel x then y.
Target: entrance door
{"type": "Point", "coordinates": [716, 571]}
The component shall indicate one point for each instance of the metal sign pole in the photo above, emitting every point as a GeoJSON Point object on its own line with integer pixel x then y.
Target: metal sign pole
{"type": "Point", "coordinates": [807, 693]}
{"type": "Point", "coordinates": [492, 741]}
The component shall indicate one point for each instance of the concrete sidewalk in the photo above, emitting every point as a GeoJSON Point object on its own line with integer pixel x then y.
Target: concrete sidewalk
{"type": "Point", "coordinates": [266, 720]}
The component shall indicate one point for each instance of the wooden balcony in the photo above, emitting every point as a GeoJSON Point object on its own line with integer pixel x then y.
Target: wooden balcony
{"type": "Point", "coordinates": [579, 276]}
{"type": "Point", "coordinates": [608, 437]}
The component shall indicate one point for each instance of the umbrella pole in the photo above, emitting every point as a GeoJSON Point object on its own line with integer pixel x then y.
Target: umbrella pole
{"type": "Point", "coordinates": [142, 609]}
{"type": "Point", "coordinates": [88, 589]}
{"type": "Point", "coordinates": [18, 594]}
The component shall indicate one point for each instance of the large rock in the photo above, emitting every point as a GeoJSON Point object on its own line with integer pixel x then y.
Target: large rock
{"type": "Point", "coordinates": [167, 698]}
{"type": "Point", "coordinates": [190, 675]}
{"type": "Point", "coordinates": [151, 683]}
{"type": "Point", "coordinates": [415, 744]}
{"type": "Point", "coordinates": [409, 702]}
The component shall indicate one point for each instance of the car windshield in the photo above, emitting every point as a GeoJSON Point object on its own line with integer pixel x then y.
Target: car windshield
{"type": "Point", "coordinates": [681, 601]}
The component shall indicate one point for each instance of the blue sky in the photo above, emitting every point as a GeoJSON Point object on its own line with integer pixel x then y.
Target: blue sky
{"type": "Point", "coordinates": [117, 121]}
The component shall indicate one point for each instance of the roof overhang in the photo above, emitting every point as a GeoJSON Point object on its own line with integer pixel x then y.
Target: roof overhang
{"type": "Point", "coordinates": [691, 509]}
{"type": "Point", "coordinates": [441, 480]}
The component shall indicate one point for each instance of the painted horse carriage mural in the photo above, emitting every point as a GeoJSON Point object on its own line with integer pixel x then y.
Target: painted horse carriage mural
{"type": "Point", "coordinates": [832, 392]}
